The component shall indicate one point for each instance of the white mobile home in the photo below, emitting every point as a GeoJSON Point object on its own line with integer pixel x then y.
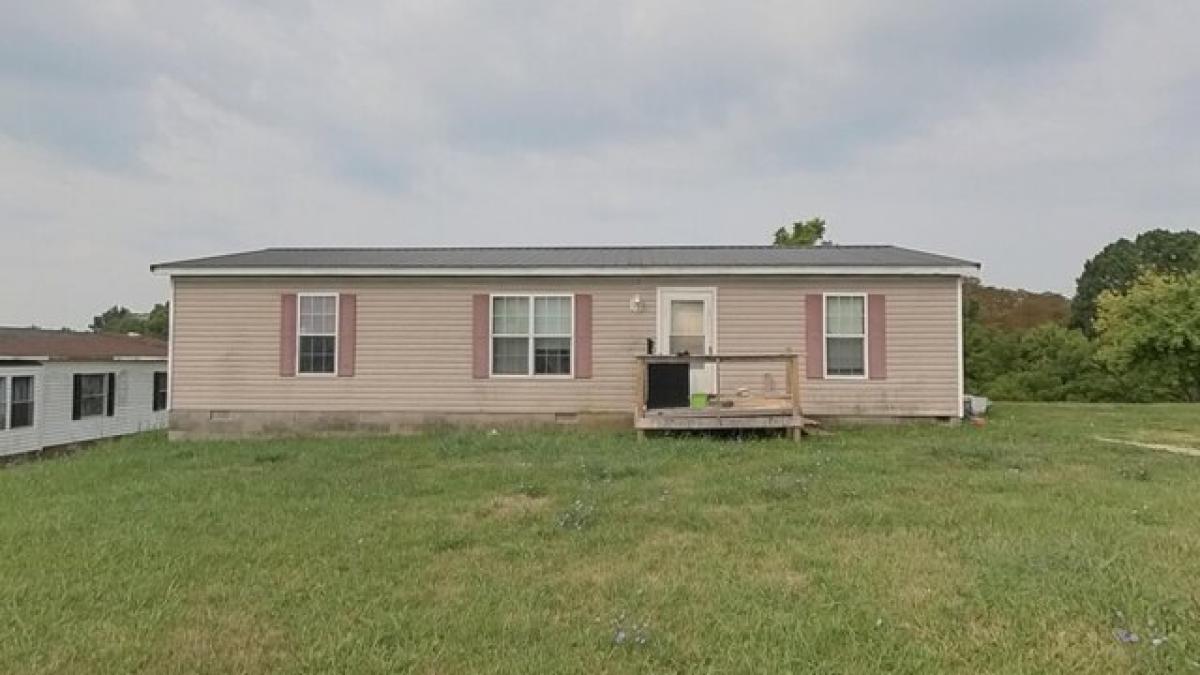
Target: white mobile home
{"type": "Point", "coordinates": [60, 387]}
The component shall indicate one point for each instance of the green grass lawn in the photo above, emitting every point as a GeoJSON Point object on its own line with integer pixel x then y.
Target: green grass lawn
{"type": "Point", "coordinates": [1019, 547]}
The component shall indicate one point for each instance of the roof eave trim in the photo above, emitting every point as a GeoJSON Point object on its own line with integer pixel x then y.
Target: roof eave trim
{"type": "Point", "coordinates": [964, 270]}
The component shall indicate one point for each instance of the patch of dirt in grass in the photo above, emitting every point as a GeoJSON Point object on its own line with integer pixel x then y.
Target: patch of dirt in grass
{"type": "Point", "coordinates": [1168, 437]}
{"type": "Point", "coordinates": [1176, 449]}
{"type": "Point", "coordinates": [506, 507]}
{"type": "Point", "coordinates": [221, 641]}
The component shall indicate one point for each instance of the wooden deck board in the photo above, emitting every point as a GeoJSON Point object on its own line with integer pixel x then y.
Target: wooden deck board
{"type": "Point", "coordinates": [775, 421]}
{"type": "Point", "coordinates": [722, 412]}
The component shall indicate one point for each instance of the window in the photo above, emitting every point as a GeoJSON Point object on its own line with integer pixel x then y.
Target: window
{"type": "Point", "coordinates": [845, 336]}
{"type": "Point", "coordinates": [532, 334]}
{"type": "Point", "coordinates": [91, 395]}
{"type": "Point", "coordinates": [3, 407]}
{"type": "Point", "coordinates": [317, 333]}
{"type": "Point", "coordinates": [687, 327]}
{"type": "Point", "coordinates": [22, 402]}
{"type": "Point", "coordinates": [160, 391]}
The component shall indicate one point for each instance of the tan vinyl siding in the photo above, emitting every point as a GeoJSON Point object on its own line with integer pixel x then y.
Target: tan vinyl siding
{"type": "Point", "coordinates": [923, 361]}
{"type": "Point", "coordinates": [414, 345]}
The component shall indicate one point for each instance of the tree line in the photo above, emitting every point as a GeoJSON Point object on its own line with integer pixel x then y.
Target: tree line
{"type": "Point", "coordinates": [1130, 334]}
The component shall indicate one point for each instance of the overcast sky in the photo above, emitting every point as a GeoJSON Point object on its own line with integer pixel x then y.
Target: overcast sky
{"type": "Point", "coordinates": [1021, 133]}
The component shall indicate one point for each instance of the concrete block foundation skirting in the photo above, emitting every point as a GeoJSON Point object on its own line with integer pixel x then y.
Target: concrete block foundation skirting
{"type": "Point", "coordinates": [222, 424]}
{"type": "Point", "coordinates": [229, 424]}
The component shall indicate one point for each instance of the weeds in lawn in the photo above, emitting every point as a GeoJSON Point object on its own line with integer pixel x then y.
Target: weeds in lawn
{"type": "Point", "coordinates": [512, 506]}
{"type": "Point", "coordinates": [975, 457]}
{"type": "Point", "coordinates": [579, 515]}
{"type": "Point", "coordinates": [602, 473]}
{"type": "Point", "coordinates": [630, 633]}
{"type": "Point", "coordinates": [531, 490]}
{"type": "Point", "coordinates": [782, 484]}
{"type": "Point", "coordinates": [1140, 472]}
{"type": "Point", "coordinates": [451, 542]}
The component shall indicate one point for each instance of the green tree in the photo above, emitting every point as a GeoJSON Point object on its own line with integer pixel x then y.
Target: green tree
{"type": "Point", "coordinates": [118, 319]}
{"type": "Point", "coordinates": [158, 321]}
{"type": "Point", "coordinates": [803, 233]}
{"type": "Point", "coordinates": [1154, 329]}
{"type": "Point", "coordinates": [1051, 363]}
{"type": "Point", "coordinates": [1120, 264]}
{"type": "Point", "coordinates": [114, 320]}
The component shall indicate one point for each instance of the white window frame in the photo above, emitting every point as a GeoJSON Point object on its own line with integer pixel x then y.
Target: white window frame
{"type": "Point", "coordinates": [492, 335]}
{"type": "Point", "coordinates": [825, 335]}
{"type": "Point", "coordinates": [12, 399]}
{"type": "Point", "coordinates": [104, 398]}
{"type": "Point", "coordinates": [166, 393]}
{"type": "Point", "coordinates": [664, 295]}
{"type": "Point", "coordinates": [337, 327]}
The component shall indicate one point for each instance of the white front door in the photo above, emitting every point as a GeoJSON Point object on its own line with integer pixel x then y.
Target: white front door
{"type": "Point", "coordinates": [687, 324]}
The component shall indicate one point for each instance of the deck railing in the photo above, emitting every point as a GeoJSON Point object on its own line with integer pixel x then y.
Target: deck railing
{"type": "Point", "coordinates": [733, 408]}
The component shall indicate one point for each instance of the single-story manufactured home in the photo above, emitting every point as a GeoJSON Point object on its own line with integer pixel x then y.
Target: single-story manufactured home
{"type": "Point", "coordinates": [62, 387]}
{"type": "Point", "coordinates": [282, 341]}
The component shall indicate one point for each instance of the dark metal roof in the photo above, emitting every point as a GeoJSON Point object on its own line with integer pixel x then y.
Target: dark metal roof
{"type": "Point", "coordinates": [65, 345]}
{"type": "Point", "coordinates": [572, 257]}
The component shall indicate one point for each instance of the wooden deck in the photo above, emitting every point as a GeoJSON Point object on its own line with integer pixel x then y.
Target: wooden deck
{"type": "Point", "coordinates": [724, 411]}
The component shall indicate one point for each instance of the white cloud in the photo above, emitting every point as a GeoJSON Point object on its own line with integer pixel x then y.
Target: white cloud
{"type": "Point", "coordinates": [1022, 135]}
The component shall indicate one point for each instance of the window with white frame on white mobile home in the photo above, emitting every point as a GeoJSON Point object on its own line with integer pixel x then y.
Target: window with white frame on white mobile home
{"type": "Point", "coordinates": [93, 395]}
{"type": "Point", "coordinates": [159, 394]}
{"type": "Point", "coordinates": [21, 406]}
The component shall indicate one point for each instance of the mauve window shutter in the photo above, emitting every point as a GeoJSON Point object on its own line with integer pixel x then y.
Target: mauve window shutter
{"type": "Point", "coordinates": [877, 337]}
{"type": "Point", "coordinates": [287, 335]}
{"type": "Point", "coordinates": [583, 335]}
{"type": "Point", "coordinates": [347, 333]}
{"type": "Point", "coordinates": [814, 343]}
{"type": "Point", "coordinates": [480, 316]}
{"type": "Point", "coordinates": [76, 397]}
{"type": "Point", "coordinates": [111, 399]}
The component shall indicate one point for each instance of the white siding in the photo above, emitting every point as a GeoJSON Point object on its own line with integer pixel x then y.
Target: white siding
{"type": "Point", "coordinates": [52, 416]}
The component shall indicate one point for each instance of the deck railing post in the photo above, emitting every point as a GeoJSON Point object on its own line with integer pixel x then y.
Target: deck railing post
{"type": "Point", "coordinates": [793, 375]}
{"type": "Point", "coordinates": [640, 366]}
